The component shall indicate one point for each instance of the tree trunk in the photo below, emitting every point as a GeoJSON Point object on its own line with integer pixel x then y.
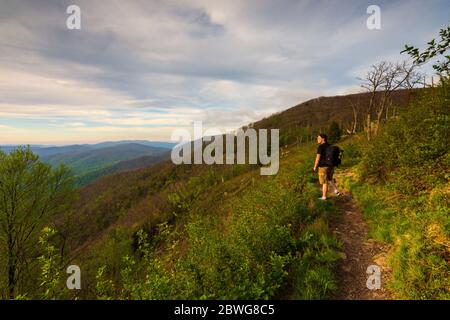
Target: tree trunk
{"type": "Point", "coordinates": [368, 126]}
{"type": "Point", "coordinates": [11, 268]}
{"type": "Point", "coordinates": [355, 121]}
{"type": "Point", "coordinates": [385, 100]}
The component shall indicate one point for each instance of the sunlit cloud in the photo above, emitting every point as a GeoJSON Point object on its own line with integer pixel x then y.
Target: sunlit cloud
{"type": "Point", "coordinates": [168, 63]}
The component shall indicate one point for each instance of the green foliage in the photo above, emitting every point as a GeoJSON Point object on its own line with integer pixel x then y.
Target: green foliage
{"type": "Point", "coordinates": [251, 247]}
{"type": "Point", "coordinates": [254, 251]}
{"type": "Point", "coordinates": [313, 272]}
{"type": "Point", "coordinates": [104, 287]}
{"type": "Point", "coordinates": [420, 269]}
{"type": "Point", "coordinates": [435, 49]}
{"type": "Point", "coordinates": [296, 134]}
{"type": "Point", "coordinates": [353, 152]}
{"type": "Point", "coordinates": [31, 193]}
{"type": "Point", "coordinates": [50, 262]}
{"type": "Point", "coordinates": [405, 195]}
{"type": "Point", "coordinates": [419, 234]}
{"type": "Point", "coordinates": [181, 199]}
{"type": "Point", "coordinates": [252, 259]}
{"type": "Point", "coordinates": [88, 165]}
{"type": "Point", "coordinates": [144, 276]}
{"type": "Point", "coordinates": [411, 148]}
{"type": "Point", "coordinates": [334, 133]}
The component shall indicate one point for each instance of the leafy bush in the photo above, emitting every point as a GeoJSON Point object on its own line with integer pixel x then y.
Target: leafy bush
{"type": "Point", "coordinates": [50, 264]}
{"type": "Point", "coordinates": [334, 132]}
{"type": "Point", "coordinates": [411, 149]}
{"type": "Point", "coordinates": [405, 195]}
{"type": "Point", "coordinates": [250, 247]}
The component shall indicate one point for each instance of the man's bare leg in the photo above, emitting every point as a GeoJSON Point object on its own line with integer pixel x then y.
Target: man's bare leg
{"type": "Point", "coordinates": [333, 184]}
{"type": "Point", "coordinates": [324, 190]}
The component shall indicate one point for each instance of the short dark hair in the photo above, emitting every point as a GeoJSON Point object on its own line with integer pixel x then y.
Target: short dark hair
{"type": "Point", "coordinates": [324, 136]}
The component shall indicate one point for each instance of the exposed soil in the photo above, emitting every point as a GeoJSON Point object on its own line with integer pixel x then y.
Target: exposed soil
{"type": "Point", "coordinates": [351, 228]}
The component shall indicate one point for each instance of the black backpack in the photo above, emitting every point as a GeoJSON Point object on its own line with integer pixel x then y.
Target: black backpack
{"type": "Point", "coordinates": [333, 156]}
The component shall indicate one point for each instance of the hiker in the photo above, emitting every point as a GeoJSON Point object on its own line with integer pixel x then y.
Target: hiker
{"type": "Point", "coordinates": [326, 163]}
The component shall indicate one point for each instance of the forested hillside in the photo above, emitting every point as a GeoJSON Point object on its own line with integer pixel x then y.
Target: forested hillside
{"type": "Point", "coordinates": [190, 231]}
{"type": "Point", "coordinates": [308, 160]}
{"type": "Point", "coordinates": [91, 161]}
{"type": "Point", "coordinates": [226, 232]}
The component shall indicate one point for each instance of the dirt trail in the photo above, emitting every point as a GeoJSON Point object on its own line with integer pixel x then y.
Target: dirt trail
{"type": "Point", "coordinates": [351, 228]}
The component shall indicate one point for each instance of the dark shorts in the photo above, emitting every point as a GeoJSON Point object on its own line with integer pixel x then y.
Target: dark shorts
{"type": "Point", "coordinates": [325, 174]}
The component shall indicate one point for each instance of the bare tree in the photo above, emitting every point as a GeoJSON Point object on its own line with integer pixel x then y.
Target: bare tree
{"type": "Point", "coordinates": [380, 81]}
{"type": "Point", "coordinates": [415, 78]}
{"type": "Point", "coordinates": [356, 109]}
{"type": "Point", "coordinates": [373, 82]}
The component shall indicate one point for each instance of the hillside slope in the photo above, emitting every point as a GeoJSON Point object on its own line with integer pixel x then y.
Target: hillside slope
{"type": "Point", "coordinates": [112, 209]}
{"type": "Point", "coordinates": [315, 114]}
{"type": "Point", "coordinates": [92, 163]}
{"type": "Point", "coordinates": [226, 232]}
{"type": "Point", "coordinates": [321, 111]}
{"type": "Point", "coordinates": [211, 218]}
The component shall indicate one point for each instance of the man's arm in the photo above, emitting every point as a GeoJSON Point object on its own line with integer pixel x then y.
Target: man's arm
{"type": "Point", "coordinates": [316, 163]}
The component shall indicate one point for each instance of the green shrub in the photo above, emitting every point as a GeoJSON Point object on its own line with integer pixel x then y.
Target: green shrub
{"type": "Point", "coordinates": [250, 247]}
{"type": "Point", "coordinates": [412, 150]}
{"type": "Point", "coordinates": [405, 195]}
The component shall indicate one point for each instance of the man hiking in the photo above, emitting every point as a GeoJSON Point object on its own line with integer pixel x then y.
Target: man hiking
{"type": "Point", "coordinates": [325, 162]}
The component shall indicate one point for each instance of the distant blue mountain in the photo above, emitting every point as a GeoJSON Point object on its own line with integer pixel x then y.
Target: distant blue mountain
{"type": "Point", "coordinates": [47, 150]}
{"type": "Point", "coordinates": [157, 144]}
{"type": "Point", "coordinates": [91, 161]}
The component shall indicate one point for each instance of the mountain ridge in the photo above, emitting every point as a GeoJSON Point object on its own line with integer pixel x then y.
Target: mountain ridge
{"type": "Point", "coordinates": [151, 180]}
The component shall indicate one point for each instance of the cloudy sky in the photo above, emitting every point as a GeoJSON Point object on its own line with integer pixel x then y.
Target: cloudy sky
{"type": "Point", "coordinates": [138, 69]}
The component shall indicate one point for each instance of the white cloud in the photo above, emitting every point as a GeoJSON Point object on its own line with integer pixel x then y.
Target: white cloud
{"type": "Point", "coordinates": [76, 124]}
{"type": "Point", "coordinates": [162, 64]}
